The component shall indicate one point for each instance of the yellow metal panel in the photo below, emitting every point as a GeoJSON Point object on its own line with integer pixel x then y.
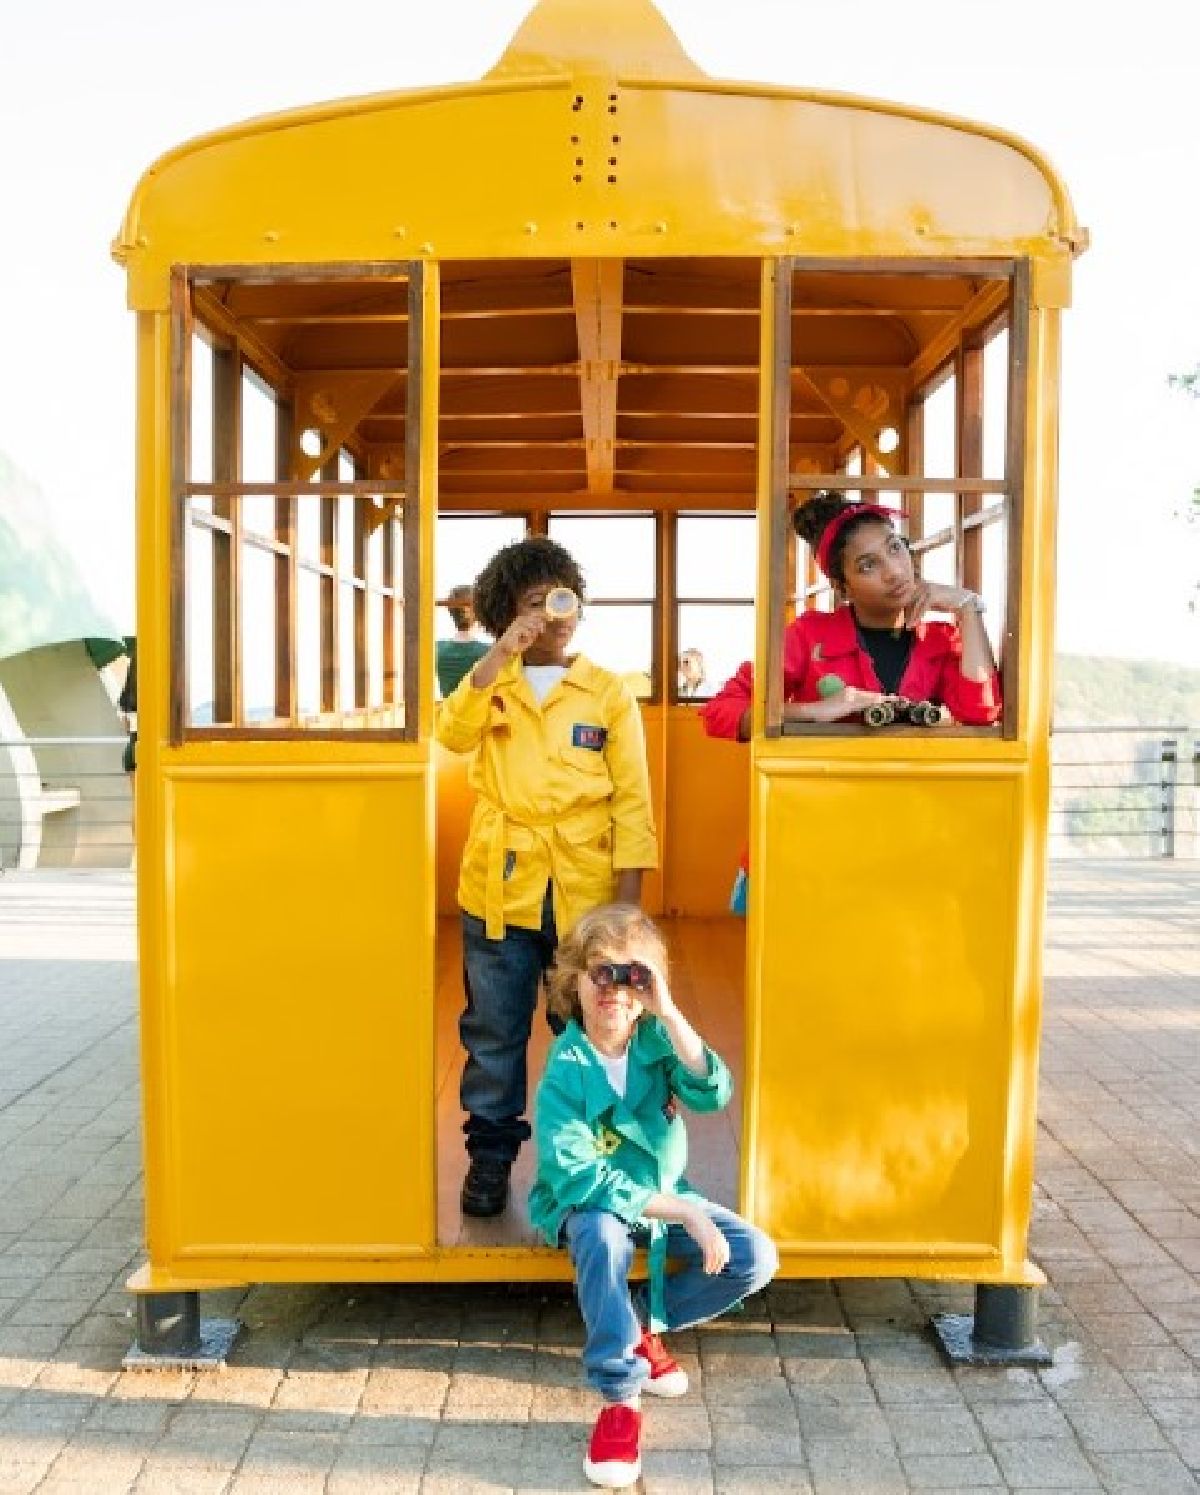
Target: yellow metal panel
{"type": "Point", "coordinates": [298, 1008]}
{"type": "Point", "coordinates": [595, 137]}
{"type": "Point", "coordinates": [154, 645]}
{"type": "Point", "coordinates": [886, 901]}
{"type": "Point", "coordinates": [778, 173]}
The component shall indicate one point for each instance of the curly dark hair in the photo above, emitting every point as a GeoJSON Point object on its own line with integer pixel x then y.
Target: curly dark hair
{"type": "Point", "coordinates": [516, 568]}
{"type": "Point", "coordinates": [809, 521]}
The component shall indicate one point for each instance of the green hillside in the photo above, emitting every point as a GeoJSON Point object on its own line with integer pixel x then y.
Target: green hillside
{"type": "Point", "coordinates": [1089, 691]}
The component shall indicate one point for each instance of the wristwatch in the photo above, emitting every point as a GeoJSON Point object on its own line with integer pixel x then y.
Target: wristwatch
{"type": "Point", "coordinates": [973, 603]}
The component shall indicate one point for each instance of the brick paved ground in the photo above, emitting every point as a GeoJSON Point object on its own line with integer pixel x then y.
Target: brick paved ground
{"type": "Point", "coordinates": [818, 1388]}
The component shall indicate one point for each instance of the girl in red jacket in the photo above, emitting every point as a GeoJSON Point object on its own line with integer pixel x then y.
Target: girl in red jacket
{"type": "Point", "coordinates": [878, 642]}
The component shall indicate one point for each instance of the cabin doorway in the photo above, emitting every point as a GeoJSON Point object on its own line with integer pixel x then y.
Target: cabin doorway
{"type": "Point", "coordinates": [613, 405]}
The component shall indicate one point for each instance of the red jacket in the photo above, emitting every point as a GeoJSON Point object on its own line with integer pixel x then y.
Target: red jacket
{"type": "Point", "coordinates": [818, 644]}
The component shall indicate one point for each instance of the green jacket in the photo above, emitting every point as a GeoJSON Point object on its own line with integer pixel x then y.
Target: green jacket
{"type": "Point", "coordinates": [597, 1150]}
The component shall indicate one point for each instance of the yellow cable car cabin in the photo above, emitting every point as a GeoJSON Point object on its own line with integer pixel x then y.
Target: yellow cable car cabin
{"type": "Point", "coordinates": [601, 296]}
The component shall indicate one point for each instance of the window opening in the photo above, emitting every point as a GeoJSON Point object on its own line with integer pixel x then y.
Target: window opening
{"type": "Point", "coordinates": [617, 554]}
{"type": "Point", "coordinates": [289, 599]}
{"type": "Point", "coordinates": [958, 472]}
{"type": "Point", "coordinates": [715, 573]}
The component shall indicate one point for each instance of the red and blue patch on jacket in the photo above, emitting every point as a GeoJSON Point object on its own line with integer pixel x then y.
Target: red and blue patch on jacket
{"type": "Point", "coordinates": [584, 736]}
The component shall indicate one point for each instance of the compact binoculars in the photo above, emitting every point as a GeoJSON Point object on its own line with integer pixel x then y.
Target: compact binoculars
{"type": "Point", "coordinates": [607, 974]}
{"type": "Point", "coordinates": [902, 711]}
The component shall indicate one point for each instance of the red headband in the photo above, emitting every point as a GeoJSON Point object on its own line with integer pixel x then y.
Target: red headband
{"type": "Point", "coordinates": [839, 522]}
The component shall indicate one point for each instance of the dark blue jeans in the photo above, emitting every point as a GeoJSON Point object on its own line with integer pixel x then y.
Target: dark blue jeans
{"type": "Point", "coordinates": [502, 980]}
{"type": "Point", "coordinates": [602, 1246]}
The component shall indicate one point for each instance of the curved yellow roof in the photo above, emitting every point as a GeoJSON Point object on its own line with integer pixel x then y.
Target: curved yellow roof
{"type": "Point", "coordinates": [594, 135]}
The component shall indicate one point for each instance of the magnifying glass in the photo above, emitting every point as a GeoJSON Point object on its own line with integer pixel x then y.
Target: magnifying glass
{"type": "Point", "coordinates": [561, 605]}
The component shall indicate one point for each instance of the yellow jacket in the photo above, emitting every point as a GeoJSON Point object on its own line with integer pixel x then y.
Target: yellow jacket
{"type": "Point", "coordinates": [563, 794]}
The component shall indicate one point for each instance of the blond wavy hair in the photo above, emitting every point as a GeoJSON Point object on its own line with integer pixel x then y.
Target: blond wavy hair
{"type": "Point", "coordinates": [612, 929]}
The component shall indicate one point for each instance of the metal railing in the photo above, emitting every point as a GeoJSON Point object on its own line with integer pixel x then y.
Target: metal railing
{"type": "Point", "coordinates": [1115, 791]}
{"type": "Point", "coordinates": [1125, 791]}
{"type": "Point", "coordinates": [65, 802]}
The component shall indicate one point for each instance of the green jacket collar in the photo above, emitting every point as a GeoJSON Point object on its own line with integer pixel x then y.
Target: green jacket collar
{"type": "Point", "coordinates": [647, 1045]}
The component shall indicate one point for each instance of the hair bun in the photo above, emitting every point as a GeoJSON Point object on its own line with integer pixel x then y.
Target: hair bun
{"type": "Point", "coordinates": [810, 518]}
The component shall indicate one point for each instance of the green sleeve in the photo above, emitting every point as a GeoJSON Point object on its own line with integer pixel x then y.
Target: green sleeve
{"type": "Point", "coordinates": [710, 1091]}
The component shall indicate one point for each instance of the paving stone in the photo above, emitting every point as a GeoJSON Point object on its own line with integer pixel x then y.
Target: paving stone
{"type": "Point", "coordinates": [675, 1427]}
{"type": "Point", "coordinates": [815, 1344]}
{"type": "Point", "coordinates": [272, 1451]}
{"type": "Point", "coordinates": [1048, 1463]}
{"type": "Point", "coordinates": [1108, 1427]}
{"type": "Point", "coordinates": [752, 1478]}
{"type": "Point", "coordinates": [1162, 1473]}
{"type": "Point", "coordinates": [923, 1387]}
{"type": "Point", "coordinates": [377, 1469]}
{"type": "Point", "coordinates": [429, 1388]}
{"type": "Point", "coordinates": [563, 1404]}
{"type": "Point", "coordinates": [129, 1417]}
{"type": "Point", "coordinates": [97, 1462]}
{"type": "Point", "coordinates": [1025, 1419]}
{"type": "Point", "coordinates": [740, 1439]}
{"type": "Point", "coordinates": [957, 1472]}
{"type": "Point", "coordinates": [290, 1483]}
{"type": "Point", "coordinates": [865, 1423]}
{"type": "Point", "coordinates": [851, 1468]}
{"type": "Point", "coordinates": [941, 1429]}
{"type": "Point", "coordinates": [180, 1479]}
{"type": "Point", "coordinates": [830, 1383]}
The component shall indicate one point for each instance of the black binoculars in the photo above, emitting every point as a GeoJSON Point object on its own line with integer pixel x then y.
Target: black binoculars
{"type": "Point", "coordinates": [901, 711]}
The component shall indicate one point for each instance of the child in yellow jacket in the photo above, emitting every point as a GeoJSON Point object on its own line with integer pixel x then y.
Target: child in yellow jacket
{"type": "Point", "coordinates": [562, 822]}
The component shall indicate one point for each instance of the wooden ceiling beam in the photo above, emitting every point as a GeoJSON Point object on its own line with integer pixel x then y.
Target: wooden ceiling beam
{"type": "Point", "coordinates": [981, 308]}
{"type": "Point", "coordinates": [632, 370]}
{"type": "Point", "coordinates": [598, 289]}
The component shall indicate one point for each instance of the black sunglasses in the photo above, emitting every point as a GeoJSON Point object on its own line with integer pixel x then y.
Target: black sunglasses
{"type": "Point", "coordinates": [607, 974]}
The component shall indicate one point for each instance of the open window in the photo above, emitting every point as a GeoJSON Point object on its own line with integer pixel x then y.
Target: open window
{"type": "Point", "coordinates": [295, 553]}
{"type": "Point", "coordinates": [904, 384]}
{"type": "Point", "coordinates": [620, 622]}
{"type": "Point", "coordinates": [714, 600]}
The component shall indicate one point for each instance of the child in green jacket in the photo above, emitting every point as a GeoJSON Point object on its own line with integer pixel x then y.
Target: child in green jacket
{"type": "Point", "coordinates": [611, 1153]}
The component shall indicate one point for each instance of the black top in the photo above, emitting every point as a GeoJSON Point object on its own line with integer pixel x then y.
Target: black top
{"type": "Point", "coordinates": [889, 649]}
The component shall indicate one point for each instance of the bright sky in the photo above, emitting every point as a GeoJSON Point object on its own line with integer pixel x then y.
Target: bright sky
{"type": "Point", "coordinates": [93, 93]}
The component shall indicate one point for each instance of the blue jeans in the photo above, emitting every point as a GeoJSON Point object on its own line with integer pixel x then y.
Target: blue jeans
{"type": "Point", "coordinates": [602, 1246]}
{"type": "Point", "coordinates": [502, 979]}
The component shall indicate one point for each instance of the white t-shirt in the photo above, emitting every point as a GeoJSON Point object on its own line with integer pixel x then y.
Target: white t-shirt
{"type": "Point", "coordinates": [616, 1069]}
{"type": "Point", "coordinates": [543, 678]}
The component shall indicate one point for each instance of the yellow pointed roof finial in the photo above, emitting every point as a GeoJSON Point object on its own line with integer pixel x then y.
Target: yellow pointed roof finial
{"type": "Point", "coordinates": [606, 38]}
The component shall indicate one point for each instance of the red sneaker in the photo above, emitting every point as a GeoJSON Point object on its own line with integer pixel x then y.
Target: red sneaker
{"type": "Point", "coordinates": [667, 1377]}
{"type": "Point", "coordinates": [613, 1459]}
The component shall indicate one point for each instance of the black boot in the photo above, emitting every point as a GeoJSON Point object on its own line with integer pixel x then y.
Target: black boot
{"type": "Point", "coordinates": [485, 1188]}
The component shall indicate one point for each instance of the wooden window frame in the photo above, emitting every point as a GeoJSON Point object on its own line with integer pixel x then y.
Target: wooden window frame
{"type": "Point", "coordinates": [226, 490]}
{"type": "Point", "coordinates": [970, 489]}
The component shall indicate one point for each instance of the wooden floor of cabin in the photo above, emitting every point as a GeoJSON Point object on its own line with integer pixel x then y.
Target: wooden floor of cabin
{"type": "Point", "coordinates": [707, 979]}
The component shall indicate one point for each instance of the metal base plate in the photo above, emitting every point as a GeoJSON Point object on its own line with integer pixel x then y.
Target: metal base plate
{"type": "Point", "coordinates": [955, 1333]}
{"type": "Point", "coordinates": [216, 1341]}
